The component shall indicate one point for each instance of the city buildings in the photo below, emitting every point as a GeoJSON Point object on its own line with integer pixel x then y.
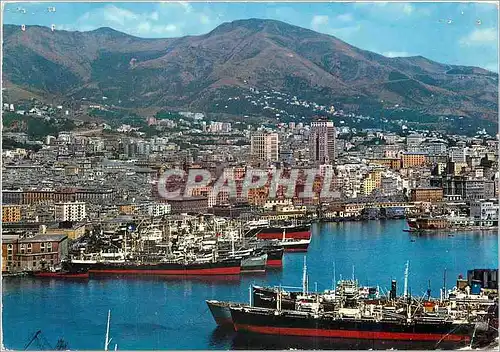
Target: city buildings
{"type": "Point", "coordinates": [426, 194]}
{"type": "Point", "coordinates": [413, 159]}
{"type": "Point", "coordinates": [193, 204]}
{"type": "Point", "coordinates": [70, 211]}
{"type": "Point", "coordinates": [264, 146]}
{"type": "Point", "coordinates": [74, 181]}
{"type": "Point", "coordinates": [322, 142]}
{"type": "Point", "coordinates": [11, 213]}
{"type": "Point", "coordinates": [484, 212]}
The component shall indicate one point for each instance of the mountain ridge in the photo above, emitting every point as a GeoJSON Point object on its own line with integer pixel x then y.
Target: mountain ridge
{"type": "Point", "coordinates": [266, 54]}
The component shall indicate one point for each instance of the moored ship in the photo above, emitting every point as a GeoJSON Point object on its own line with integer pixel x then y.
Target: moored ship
{"type": "Point", "coordinates": [446, 223]}
{"type": "Point", "coordinates": [221, 313]}
{"type": "Point", "coordinates": [274, 257]}
{"type": "Point", "coordinates": [359, 316]}
{"type": "Point", "coordinates": [265, 231]}
{"type": "Point", "coordinates": [273, 251]}
{"type": "Point", "coordinates": [423, 333]}
{"type": "Point", "coordinates": [180, 267]}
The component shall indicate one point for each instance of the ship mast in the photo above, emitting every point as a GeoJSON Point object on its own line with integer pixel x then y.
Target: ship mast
{"type": "Point", "coordinates": [232, 242]}
{"type": "Point", "coordinates": [250, 293]}
{"type": "Point", "coordinates": [444, 284]}
{"type": "Point", "coordinates": [125, 242]}
{"type": "Point", "coordinates": [405, 291]}
{"type": "Point", "coordinates": [334, 277]}
{"type": "Point", "coordinates": [278, 302]}
{"type": "Point", "coordinates": [108, 340]}
{"type": "Point", "coordinates": [304, 278]}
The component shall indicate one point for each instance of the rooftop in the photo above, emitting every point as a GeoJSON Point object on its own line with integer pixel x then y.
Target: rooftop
{"type": "Point", "coordinates": [44, 238]}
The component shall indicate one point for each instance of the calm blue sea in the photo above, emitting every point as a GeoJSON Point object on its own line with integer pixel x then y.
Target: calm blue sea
{"type": "Point", "coordinates": [171, 313]}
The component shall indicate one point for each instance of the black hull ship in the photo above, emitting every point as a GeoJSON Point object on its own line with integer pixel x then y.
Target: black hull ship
{"type": "Point", "coordinates": [222, 267]}
{"type": "Point", "coordinates": [421, 334]}
{"type": "Point", "coordinates": [267, 297]}
{"type": "Point", "coordinates": [358, 317]}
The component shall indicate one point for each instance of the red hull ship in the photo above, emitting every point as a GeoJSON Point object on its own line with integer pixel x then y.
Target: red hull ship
{"type": "Point", "coordinates": [295, 232]}
{"type": "Point", "coordinates": [222, 267]}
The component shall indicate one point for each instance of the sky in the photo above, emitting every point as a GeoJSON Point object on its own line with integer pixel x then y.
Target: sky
{"type": "Point", "coordinates": [451, 33]}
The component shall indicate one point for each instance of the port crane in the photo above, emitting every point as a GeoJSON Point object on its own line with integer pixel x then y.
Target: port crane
{"type": "Point", "coordinates": [42, 343]}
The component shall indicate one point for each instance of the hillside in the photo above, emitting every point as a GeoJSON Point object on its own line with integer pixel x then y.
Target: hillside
{"type": "Point", "coordinates": [195, 71]}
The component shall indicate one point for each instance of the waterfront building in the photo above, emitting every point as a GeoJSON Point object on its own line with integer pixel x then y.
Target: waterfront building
{"type": "Point", "coordinates": [9, 251]}
{"type": "Point", "coordinates": [484, 212]}
{"type": "Point", "coordinates": [322, 142]}
{"type": "Point", "coordinates": [426, 194]}
{"type": "Point", "coordinates": [69, 211]}
{"type": "Point", "coordinates": [466, 187]}
{"type": "Point", "coordinates": [33, 253]}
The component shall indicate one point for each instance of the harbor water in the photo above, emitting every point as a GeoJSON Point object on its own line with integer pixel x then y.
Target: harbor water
{"type": "Point", "coordinates": [171, 313]}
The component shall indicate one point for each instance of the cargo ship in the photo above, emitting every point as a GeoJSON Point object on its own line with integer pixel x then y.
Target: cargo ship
{"type": "Point", "coordinates": [267, 297]}
{"type": "Point", "coordinates": [264, 231]}
{"type": "Point", "coordinates": [424, 333]}
{"type": "Point", "coordinates": [355, 315]}
{"type": "Point", "coordinates": [174, 267]}
{"type": "Point", "coordinates": [221, 313]}
{"type": "Point", "coordinates": [446, 223]}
